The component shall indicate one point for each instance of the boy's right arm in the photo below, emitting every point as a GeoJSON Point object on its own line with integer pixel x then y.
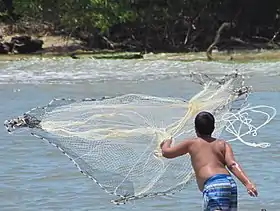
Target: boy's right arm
{"type": "Point", "coordinates": [236, 169]}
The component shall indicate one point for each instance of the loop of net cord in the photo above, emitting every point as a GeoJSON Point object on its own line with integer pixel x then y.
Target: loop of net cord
{"type": "Point", "coordinates": [242, 117]}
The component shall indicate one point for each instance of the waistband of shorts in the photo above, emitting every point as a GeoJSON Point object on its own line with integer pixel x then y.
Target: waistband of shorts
{"type": "Point", "coordinates": [217, 176]}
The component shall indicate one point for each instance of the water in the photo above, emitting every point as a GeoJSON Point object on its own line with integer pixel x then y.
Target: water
{"type": "Point", "coordinates": [36, 176]}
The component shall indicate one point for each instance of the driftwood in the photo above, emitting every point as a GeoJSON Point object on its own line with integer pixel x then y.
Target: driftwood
{"type": "Point", "coordinates": [224, 26]}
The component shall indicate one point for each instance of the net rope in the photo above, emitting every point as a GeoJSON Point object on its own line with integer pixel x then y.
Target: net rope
{"type": "Point", "coordinates": [115, 141]}
{"type": "Point", "coordinates": [241, 120]}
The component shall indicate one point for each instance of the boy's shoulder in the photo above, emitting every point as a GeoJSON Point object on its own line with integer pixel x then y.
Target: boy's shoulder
{"type": "Point", "coordinates": [221, 141]}
{"type": "Point", "coordinates": [219, 144]}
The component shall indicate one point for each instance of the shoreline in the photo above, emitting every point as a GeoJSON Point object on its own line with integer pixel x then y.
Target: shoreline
{"type": "Point", "coordinates": [237, 56]}
{"type": "Point", "coordinates": [59, 47]}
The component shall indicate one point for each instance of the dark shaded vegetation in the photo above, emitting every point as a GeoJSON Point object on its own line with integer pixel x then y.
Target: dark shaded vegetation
{"type": "Point", "coordinates": [151, 26]}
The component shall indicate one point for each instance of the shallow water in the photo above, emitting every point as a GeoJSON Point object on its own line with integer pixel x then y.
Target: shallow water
{"type": "Point", "coordinates": [36, 176]}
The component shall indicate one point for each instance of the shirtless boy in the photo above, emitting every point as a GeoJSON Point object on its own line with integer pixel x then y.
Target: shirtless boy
{"type": "Point", "coordinates": [212, 159]}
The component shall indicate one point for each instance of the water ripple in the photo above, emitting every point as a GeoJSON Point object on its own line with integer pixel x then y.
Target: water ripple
{"type": "Point", "coordinates": [65, 71]}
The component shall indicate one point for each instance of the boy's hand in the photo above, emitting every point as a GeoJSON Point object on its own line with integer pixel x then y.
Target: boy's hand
{"type": "Point", "coordinates": [252, 190]}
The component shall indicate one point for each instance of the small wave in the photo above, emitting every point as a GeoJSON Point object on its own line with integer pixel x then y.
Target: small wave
{"type": "Point", "coordinates": [64, 71]}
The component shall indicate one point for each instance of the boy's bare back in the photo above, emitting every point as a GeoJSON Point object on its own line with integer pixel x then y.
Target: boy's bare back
{"type": "Point", "coordinates": [208, 158]}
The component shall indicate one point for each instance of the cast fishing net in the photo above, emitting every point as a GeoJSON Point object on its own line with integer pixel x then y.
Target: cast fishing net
{"type": "Point", "coordinates": [116, 141]}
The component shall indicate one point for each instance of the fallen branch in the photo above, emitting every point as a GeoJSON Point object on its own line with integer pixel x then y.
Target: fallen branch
{"type": "Point", "coordinates": [255, 45]}
{"type": "Point", "coordinates": [261, 38]}
{"type": "Point", "coordinates": [224, 26]}
{"type": "Point", "coordinates": [236, 39]}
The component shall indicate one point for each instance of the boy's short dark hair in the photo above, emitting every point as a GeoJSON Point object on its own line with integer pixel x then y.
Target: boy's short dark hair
{"type": "Point", "coordinates": [204, 123]}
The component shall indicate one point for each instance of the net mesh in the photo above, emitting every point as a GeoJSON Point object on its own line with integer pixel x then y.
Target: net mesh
{"type": "Point", "coordinates": [116, 141]}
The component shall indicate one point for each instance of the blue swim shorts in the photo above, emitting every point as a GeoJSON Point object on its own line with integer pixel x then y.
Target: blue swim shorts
{"type": "Point", "coordinates": [220, 193]}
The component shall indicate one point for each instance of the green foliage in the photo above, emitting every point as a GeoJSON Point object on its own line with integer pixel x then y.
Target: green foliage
{"type": "Point", "coordinates": [167, 23]}
{"type": "Point", "coordinates": [30, 8]}
{"type": "Point", "coordinates": [85, 14]}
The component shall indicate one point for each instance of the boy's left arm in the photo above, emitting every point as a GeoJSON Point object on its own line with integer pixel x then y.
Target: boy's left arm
{"type": "Point", "coordinates": [169, 151]}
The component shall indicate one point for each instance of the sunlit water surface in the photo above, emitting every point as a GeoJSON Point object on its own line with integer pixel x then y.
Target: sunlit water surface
{"type": "Point", "coordinates": [36, 176]}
